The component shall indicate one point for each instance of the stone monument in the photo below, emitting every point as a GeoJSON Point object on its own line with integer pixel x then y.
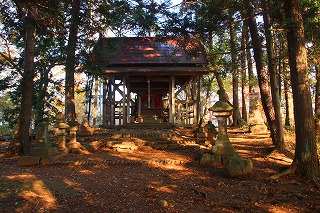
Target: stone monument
{"type": "Point", "coordinates": [211, 132]}
{"type": "Point", "coordinates": [256, 120]}
{"type": "Point", "coordinates": [201, 135]}
{"type": "Point", "coordinates": [85, 129]}
{"type": "Point", "coordinates": [223, 152]}
{"type": "Point", "coordinates": [43, 146]}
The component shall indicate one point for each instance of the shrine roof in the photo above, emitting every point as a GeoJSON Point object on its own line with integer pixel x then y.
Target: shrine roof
{"type": "Point", "coordinates": [150, 54]}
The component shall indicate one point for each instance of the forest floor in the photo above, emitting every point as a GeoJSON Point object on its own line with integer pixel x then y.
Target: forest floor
{"type": "Point", "coordinates": [150, 183]}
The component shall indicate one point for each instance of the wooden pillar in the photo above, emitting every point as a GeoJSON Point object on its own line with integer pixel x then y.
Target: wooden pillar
{"type": "Point", "coordinates": [128, 99]}
{"type": "Point", "coordinates": [199, 104]}
{"type": "Point", "coordinates": [139, 105]}
{"type": "Point", "coordinates": [124, 111]}
{"type": "Point", "coordinates": [104, 104]}
{"type": "Point", "coordinates": [112, 102]}
{"type": "Point", "coordinates": [171, 100]}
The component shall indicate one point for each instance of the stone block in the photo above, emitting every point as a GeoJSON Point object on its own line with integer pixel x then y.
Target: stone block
{"type": "Point", "coordinates": [95, 145]}
{"type": "Point", "coordinates": [258, 129]}
{"type": "Point", "coordinates": [210, 160]}
{"type": "Point", "coordinates": [223, 149]}
{"type": "Point", "coordinates": [46, 161]}
{"type": "Point", "coordinates": [125, 146]}
{"type": "Point", "coordinates": [238, 166]}
{"type": "Point", "coordinates": [43, 151]}
{"type": "Point", "coordinates": [29, 160]}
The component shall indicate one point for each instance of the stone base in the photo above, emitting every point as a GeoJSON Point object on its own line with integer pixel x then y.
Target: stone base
{"type": "Point", "coordinates": [74, 145]}
{"type": "Point", "coordinates": [211, 160]}
{"type": "Point", "coordinates": [258, 129]}
{"type": "Point", "coordinates": [38, 160]}
{"type": "Point", "coordinates": [43, 151]}
{"type": "Point", "coordinates": [238, 166]}
{"type": "Point", "coordinates": [29, 160]}
{"type": "Point", "coordinates": [85, 132]}
{"type": "Point", "coordinates": [233, 165]}
{"type": "Point", "coordinates": [223, 149]}
{"type": "Point", "coordinates": [63, 149]}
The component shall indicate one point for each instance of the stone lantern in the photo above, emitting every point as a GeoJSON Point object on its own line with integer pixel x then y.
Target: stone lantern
{"type": "Point", "coordinates": [61, 132]}
{"type": "Point", "coordinates": [223, 152]}
{"type": "Point", "coordinates": [74, 127]}
{"type": "Point", "coordinates": [222, 110]}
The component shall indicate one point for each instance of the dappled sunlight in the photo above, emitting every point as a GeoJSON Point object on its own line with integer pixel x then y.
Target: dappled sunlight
{"type": "Point", "coordinates": [280, 208]}
{"type": "Point", "coordinates": [31, 191]}
{"type": "Point", "coordinates": [39, 190]}
{"type": "Point", "coordinates": [73, 185]}
{"type": "Point", "coordinates": [164, 189]}
{"type": "Point", "coordinates": [86, 172]}
{"type": "Point", "coordinates": [103, 178]}
{"type": "Point", "coordinates": [280, 159]}
{"type": "Point", "coordinates": [21, 177]}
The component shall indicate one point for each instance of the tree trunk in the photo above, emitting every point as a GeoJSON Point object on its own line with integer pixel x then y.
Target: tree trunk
{"type": "Point", "coordinates": [286, 97]}
{"type": "Point", "coordinates": [27, 86]}
{"type": "Point", "coordinates": [274, 81]}
{"type": "Point", "coordinates": [262, 74]}
{"type": "Point", "coordinates": [317, 104]}
{"type": "Point", "coordinates": [249, 61]}
{"type": "Point", "coordinates": [244, 72]}
{"type": "Point", "coordinates": [70, 111]}
{"type": "Point", "coordinates": [306, 161]}
{"type": "Point", "coordinates": [236, 117]}
{"type": "Point", "coordinates": [95, 102]}
{"type": "Point", "coordinates": [40, 100]}
{"type": "Point", "coordinates": [89, 87]}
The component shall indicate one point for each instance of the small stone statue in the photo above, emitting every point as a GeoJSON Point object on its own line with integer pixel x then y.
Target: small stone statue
{"type": "Point", "coordinates": [211, 132]}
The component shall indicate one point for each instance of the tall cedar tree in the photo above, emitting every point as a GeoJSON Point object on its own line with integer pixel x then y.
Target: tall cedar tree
{"type": "Point", "coordinates": [70, 111]}
{"type": "Point", "coordinates": [274, 80]}
{"type": "Point", "coordinates": [27, 83]}
{"type": "Point", "coordinates": [306, 161]}
{"type": "Point", "coordinates": [263, 77]}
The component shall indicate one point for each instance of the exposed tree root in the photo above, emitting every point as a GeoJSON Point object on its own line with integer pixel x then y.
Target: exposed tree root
{"type": "Point", "coordinates": [290, 171]}
{"type": "Point", "coordinates": [13, 149]}
{"type": "Point", "coordinates": [286, 152]}
{"type": "Point", "coordinates": [316, 183]}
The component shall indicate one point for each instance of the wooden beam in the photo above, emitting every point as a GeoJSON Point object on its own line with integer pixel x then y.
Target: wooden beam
{"type": "Point", "coordinates": [128, 99]}
{"type": "Point", "coordinates": [172, 100]}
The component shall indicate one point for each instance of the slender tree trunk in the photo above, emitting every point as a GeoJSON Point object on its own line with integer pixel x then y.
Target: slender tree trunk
{"type": "Point", "coordinates": [286, 97]}
{"type": "Point", "coordinates": [306, 160]}
{"type": "Point", "coordinates": [40, 100]}
{"type": "Point", "coordinates": [95, 102]}
{"type": "Point", "coordinates": [27, 85]}
{"type": "Point", "coordinates": [249, 61]}
{"type": "Point", "coordinates": [274, 81]}
{"type": "Point", "coordinates": [262, 74]}
{"type": "Point", "coordinates": [70, 111]}
{"type": "Point", "coordinates": [89, 96]}
{"type": "Point", "coordinates": [244, 72]}
{"type": "Point", "coordinates": [236, 117]}
{"type": "Point", "coordinates": [317, 104]}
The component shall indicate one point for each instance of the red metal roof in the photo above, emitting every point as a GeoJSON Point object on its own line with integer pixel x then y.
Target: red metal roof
{"type": "Point", "coordinates": [136, 54]}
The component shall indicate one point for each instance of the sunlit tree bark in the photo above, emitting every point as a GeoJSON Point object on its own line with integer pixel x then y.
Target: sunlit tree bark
{"type": "Point", "coordinates": [306, 160]}
{"type": "Point", "coordinates": [70, 111]}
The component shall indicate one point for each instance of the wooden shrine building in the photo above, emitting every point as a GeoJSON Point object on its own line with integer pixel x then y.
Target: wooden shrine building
{"type": "Point", "coordinates": [150, 80]}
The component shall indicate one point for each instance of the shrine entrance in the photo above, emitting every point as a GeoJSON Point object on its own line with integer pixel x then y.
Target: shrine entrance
{"type": "Point", "coordinates": [144, 85]}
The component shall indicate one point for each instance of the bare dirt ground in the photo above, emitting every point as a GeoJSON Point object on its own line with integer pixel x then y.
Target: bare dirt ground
{"type": "Point", "coordinates": [158, 179]}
